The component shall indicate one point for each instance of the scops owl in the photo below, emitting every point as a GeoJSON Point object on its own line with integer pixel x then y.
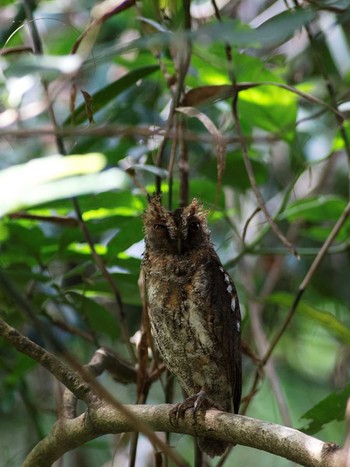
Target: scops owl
{"type": "Point", "coordinates": [193, 310]}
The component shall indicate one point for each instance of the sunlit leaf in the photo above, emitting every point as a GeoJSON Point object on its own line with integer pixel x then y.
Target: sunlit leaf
{"type": "Point", "coordinates": [47, 66]}
{"type": "Point", "coordinates": [55, 177]}
{"type": "Point", "coordinates": [270, 108]}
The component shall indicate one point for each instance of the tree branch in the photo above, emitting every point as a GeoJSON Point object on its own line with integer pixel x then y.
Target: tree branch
{"type": "Point", "coordinates": [49, 361]}
{"type": "Point", "coordinates": [102, 419]}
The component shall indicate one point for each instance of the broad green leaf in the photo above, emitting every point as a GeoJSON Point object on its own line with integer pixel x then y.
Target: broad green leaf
{"type": "Point", "coordinates": [121, 203]}
{"type": "Point", "coordinates": [315, 209]}
{"type": "Point", "coordinates": [48, 66]}
{"type": "Point", "coordinates": [327, 320]}
{"type": "Point", "coordinates": [270, 108]}
{"type": "Point", "coordinates": [329, 409]}
{"type": "Point", "coordinates": [130, 234]}
{"type": "Point", "coordinates": [281, 27]}
{"type": "Point", "coordinates": [55, 177]}
{"type": "Point", "coordinates": [338, 143]}
{"type": "Point", "coordinates": [235, 174]}
{"type": "Point", "coordinates": [22, 365]}
{"type": "Point", "coordinates": [201, 188]}
{"type": "Point", "coordinates": [104, 96]}
{"type": "Point", "coordinates": [97, 317]}
{"type": "Point", "coordinates": [3, 232]}
{"type": "Point", "coordinates": [127, 285]}
{"type": "Point", "coordinates": [320, 233]}
{"type": "Point", "coordinates": [98, 287]}
{"type": "Point", "coordinates": [23, 244]}
{"type": "Point", "coordinates": [274, 31]}
{"type": "Point", "coordinates": [211, 69]}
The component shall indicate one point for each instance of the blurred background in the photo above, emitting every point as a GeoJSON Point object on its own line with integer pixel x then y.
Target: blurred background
{"type": "Point", "coordinates": [99, 83]}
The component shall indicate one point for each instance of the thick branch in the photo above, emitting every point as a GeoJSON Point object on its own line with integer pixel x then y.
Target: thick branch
{"type": "Point", "coordinates": [276, 439]}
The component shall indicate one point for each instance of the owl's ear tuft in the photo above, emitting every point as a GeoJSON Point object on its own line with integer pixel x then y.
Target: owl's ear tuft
{"type": "Point", "coordinates": [196, 209]}
{"type": "Point", "coordinates": [154, 206]}
{"type": "Point", "coordinates": [156, 198]}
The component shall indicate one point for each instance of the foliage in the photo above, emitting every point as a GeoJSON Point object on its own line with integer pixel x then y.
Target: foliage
{"type": "Point", "coordinates": [109, 79]}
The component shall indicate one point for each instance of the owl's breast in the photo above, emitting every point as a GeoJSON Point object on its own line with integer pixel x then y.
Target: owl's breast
{"type": "Point", "coordinates": [180, 316]}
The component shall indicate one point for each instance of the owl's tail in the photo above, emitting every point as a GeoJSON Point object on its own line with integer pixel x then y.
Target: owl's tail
{"type": "Point", "coordinates": [212, 447]}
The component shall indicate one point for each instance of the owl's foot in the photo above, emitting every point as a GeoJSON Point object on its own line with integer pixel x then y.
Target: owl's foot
{"type": "Point", "coordinates": [197, 402]}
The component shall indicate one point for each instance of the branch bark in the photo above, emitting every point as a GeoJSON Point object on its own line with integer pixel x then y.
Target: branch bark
{"type": "Point", "coordinates": [104, 418]}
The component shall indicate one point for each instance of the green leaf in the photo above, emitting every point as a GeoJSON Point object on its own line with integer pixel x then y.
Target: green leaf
{"type": "Point", "coordinates": [54, 177]}
{"type": "Point", "coordinates": [48, 66]}
{"type": "Point", "coordinates": [270, 108]}
{"type": "Point", "coordinates": [315, 209]}
{"type": "Point", "coordinates": [98, 317]}
{"type": "Point", "coordinates": [126, 284]}
{"type": "Point", "coordinates": [22, 365]}
{"type": "Point", "coordinates": [210, 68]}
{"type": "Point", "coordinates": [327, 320]}
{"type": "Point", "coordinates": [130, 234]}
{"type": "Point", "coordinates": [104, 96]}
{"type": "Point", "coordinates": [329, 409]}
{"type": "Point", "coordinates": [274, 31]}
{"type": "Point", "coordinates": [235, 173]}
{"type": "Point", "coordinates": [281, 27]}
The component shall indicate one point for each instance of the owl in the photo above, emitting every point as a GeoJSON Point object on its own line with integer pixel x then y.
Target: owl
{"type": "Point", "coordinates": [193, 310]}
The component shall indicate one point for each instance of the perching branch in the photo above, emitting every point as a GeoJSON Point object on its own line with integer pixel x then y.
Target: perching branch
{"type": "Point", "coordinates": [102, 419]}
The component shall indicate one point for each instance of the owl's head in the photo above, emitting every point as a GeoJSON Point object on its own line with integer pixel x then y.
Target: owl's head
{"type": "Point", "coordinates": [175, 232]}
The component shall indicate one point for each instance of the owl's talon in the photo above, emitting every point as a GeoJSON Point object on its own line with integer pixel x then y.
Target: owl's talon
{"type": "Point", "coordinates": [197, 402]}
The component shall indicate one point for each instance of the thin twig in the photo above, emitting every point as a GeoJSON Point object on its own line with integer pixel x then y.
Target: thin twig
{"type": "Point", "coordinates": [109, 279]}
{"type": "Point", "coordinates": [83, 227]}
{"type": "Point", "coordinates": [320, 256]}
{"type": "Point", "coordinates": [183, 57]}
{"type": "Point", "coordinates": [115, 131]}
{"type": "Point", "coordinates": [246, 225]}
{"type": "Point", "coordinates": [59, 220]}
{"type": "Point", "coordinates": [309, 97]}
{"type": "Point", "coordinates": [253, 182]}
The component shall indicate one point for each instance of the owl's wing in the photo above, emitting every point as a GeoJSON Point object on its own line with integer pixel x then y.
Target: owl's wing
{"type": "Point", "coordinates": [225, 317]}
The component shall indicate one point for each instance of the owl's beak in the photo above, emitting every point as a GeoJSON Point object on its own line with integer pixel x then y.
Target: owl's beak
{"type": "Point", "coordinates": [179, 245]}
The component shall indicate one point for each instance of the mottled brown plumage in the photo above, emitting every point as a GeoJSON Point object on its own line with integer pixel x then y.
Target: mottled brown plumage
{"type": "Point", "coordinates": [193, 310]}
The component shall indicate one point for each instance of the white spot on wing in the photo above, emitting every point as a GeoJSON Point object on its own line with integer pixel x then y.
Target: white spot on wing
{"type": "Point", "coordinates": [229, 289]}
{"type": "Point", "coordinates": [233, 303]}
